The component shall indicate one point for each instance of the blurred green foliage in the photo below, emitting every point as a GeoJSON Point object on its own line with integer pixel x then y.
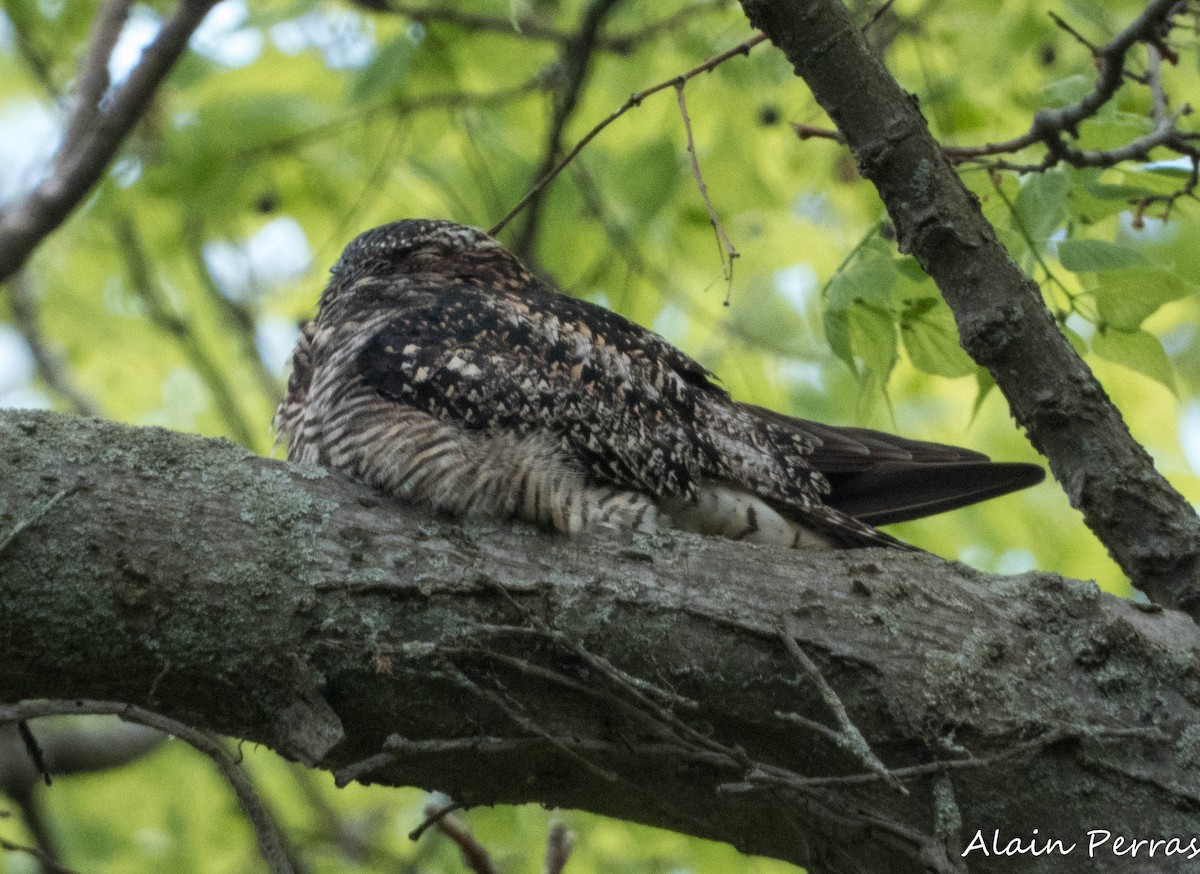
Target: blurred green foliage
{"type": "Point", "coordinates": [173, 294]}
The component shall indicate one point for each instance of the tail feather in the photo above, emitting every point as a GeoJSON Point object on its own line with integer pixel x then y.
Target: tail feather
{"type": "Point", "coordinates": [879, 478]}
{"type": "Point", "coordinates": [897, 491]}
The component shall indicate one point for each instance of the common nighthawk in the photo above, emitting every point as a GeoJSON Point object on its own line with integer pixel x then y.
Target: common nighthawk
{"type": "Point", "coordinates": [439, 369]}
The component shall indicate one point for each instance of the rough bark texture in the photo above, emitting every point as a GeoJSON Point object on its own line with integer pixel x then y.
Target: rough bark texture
{"type": "Point", "coordinates": [647, 679]}
{"type": "Point", "coordinates": [1146, 525]}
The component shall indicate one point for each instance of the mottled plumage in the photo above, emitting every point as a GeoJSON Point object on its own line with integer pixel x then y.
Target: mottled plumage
{"type": "Point", "coordinates": [439, 369]}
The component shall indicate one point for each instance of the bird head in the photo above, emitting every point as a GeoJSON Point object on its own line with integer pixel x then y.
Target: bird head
{"type": "Point", "coordinates": [442, 249]}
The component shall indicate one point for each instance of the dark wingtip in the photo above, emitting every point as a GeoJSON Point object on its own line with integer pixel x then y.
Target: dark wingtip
{"type": "Point", "coordinates": [898, 492]}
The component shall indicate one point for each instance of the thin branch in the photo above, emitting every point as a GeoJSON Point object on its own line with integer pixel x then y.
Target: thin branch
{"type": "Point", "coordinates": [474, 855]}
{"type": "Point", "coordinates": [559, 844]}
{"type": "Point", "coordinates": [30, 52]}
{"type": "Point", "coordinates": [576, 60]}
{"type": "Point", "coordinates": [24, 224]}
{"type": "Point", "coordinates": [33, 518]}
{"type": "Point", "coordinates": [724, 244]}
{"type": "Point", "coordinates": [526, 723]}
{"type": "Point", "coordinates": [93, 73]}
{"type": "Point", "coordinates": [48, 365]}
{"type": "Point", "coordinates": [434, 818]}
{"type": "Point", "coordinates": [1111, 60]}
{"type": "Point", "coordinates": [850, 738]}
{"type": "Point", "coordinates": [810, 132]}
{"type": "Point", "coordinates": [49, 866]}
{"type": "Point", "coordinates": [400, 106]}
{"type": "Point", "coordinates": [1049, 126]}
{"type": "Point", "coordinates": [634, 101]}
{"type": "Point", "coordinates": [238, 316]}
{"type": "Point", "coordinates": [877, 15]}
{"type": "Point", "coordinates": [34, 751]}
{"type": "Point", "coordinates": [1073, 33]}
{"type": "Point", "coordinates": [271, 843]}
{"type": "Point", "coordinates": [532, 29]}
{"type": "Point", "coordinates": [1158, 97]}
{"type": "Point", "coordinates": [162, 314]}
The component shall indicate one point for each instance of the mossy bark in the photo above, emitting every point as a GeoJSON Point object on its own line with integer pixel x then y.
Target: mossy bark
{"type": "Point", "coordinates": [646, 678]}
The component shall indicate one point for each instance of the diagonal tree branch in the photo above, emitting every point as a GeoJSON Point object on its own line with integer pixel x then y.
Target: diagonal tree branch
{"type": "Point", "coordinates": [93, 140]}
{"type": "Point", "coordinates": [93, 73]}
{"type": "Point", "coordinates": [1146, 525]}
{"type": "Point", "coordinates": [50, 366]}
{"type": "Point", "coordinates": [291, 607]}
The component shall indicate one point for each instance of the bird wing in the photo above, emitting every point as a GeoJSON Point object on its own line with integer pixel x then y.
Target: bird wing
{"type": "Point", "coordinates": [635, 412]}
{"type": "Point", "coordinates": [622, 401]}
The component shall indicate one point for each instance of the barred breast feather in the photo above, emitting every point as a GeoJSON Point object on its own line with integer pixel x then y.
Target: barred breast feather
{"type": "Point", "coordinates": [438, 369]}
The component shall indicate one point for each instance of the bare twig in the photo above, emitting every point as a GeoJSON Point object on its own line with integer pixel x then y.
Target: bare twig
{"type": "Point", "coordinates": [851, 739]}
{"type": "Point", "coordinates": [559, 844]}
{"type": "Point", "coordinates": [1158, 97]}
{"type": "Point", "coordinates": [474, 855]}
{"type": "Point", "coordinates": [433, 818]}
{"type": "Point", "coordinates": [34, 751]}
{"type": "Point", "coordinates": [724, 244]}
{"type": "Point", "coordinates": [530, 28]}
{"type": "Point", "coordinates": [528, 724]}
{"type": "Point", "coordinates": [93, 73]}
{"type": "Point", "coordinates": [765, 776]}
{"type": "Point", "coordinates": [33, 55]}
{"type": "Point", "coordinates": [48, 365]}
{"type": "Point", "coordinates": [35, 517]}
{"type": "Point", "coordinates": [576, 60]}
{"type": "Point", "coordinates": [238, 316]}
{"type": "Point", "coordinates": [810, 132]}
{"type": "Point", "coordinates": [271, 843]}
{"type": "Point", "coordinates": [1051, 127]}
{"type": "Point", "coordinates": [28, 221]}
{"type": "Point", "coordinates": [877, 14]}
{"type": "Point", "coordinates": [401, 106]}
{"type": "Point", "coordinates": [162, 314]}
{"type": "Point", "coordinates": [1074, 34]}
{"type": "Point", "coordinates": [635, 100]}
{"type": "Point", "coordinates": [49, 866]}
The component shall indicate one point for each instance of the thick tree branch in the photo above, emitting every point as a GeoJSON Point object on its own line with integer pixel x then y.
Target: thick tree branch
{"type": "Point", "coordinates": [643, 678]}
{"type": "Point", "coordinates": [94, 133]}
{"type": "Point", "coordinates": [1146, 525]}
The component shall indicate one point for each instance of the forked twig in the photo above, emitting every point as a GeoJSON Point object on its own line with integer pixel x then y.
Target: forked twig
{"type": "Point", "coordinates": [634, 100]}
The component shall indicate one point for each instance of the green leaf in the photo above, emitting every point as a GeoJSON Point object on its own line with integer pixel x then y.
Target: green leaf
{"type": "Point", "coordinates": [909, 269]}
{"type": "Point", "coordinates": [1041, 207]}
{"type": "Point", "coordinates": [873, 337]}
{"type": "Point", "coordinates": [931, 338]}
{"type": "Point", "coordinates": [1077, 342]}
{"type": "Point", "coordinates": [1127, 298]}
{"type": "Point", "coordinates": [984, 383]}
{"type": "Point", "coordinates": [1084, 256]}
{"type": "Point", "coordinates": [651, 177]}
{"type": "Point", "coordinates": [1137, 350]}
{"type": "Point", "coordinates": [386, 71]}
{"type": "Point", "coordinates": [837, 335]}
{"type": "Point", "coordinates": [1123, 193]}
{"type": "Point", "coordinates": [870, 279]}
